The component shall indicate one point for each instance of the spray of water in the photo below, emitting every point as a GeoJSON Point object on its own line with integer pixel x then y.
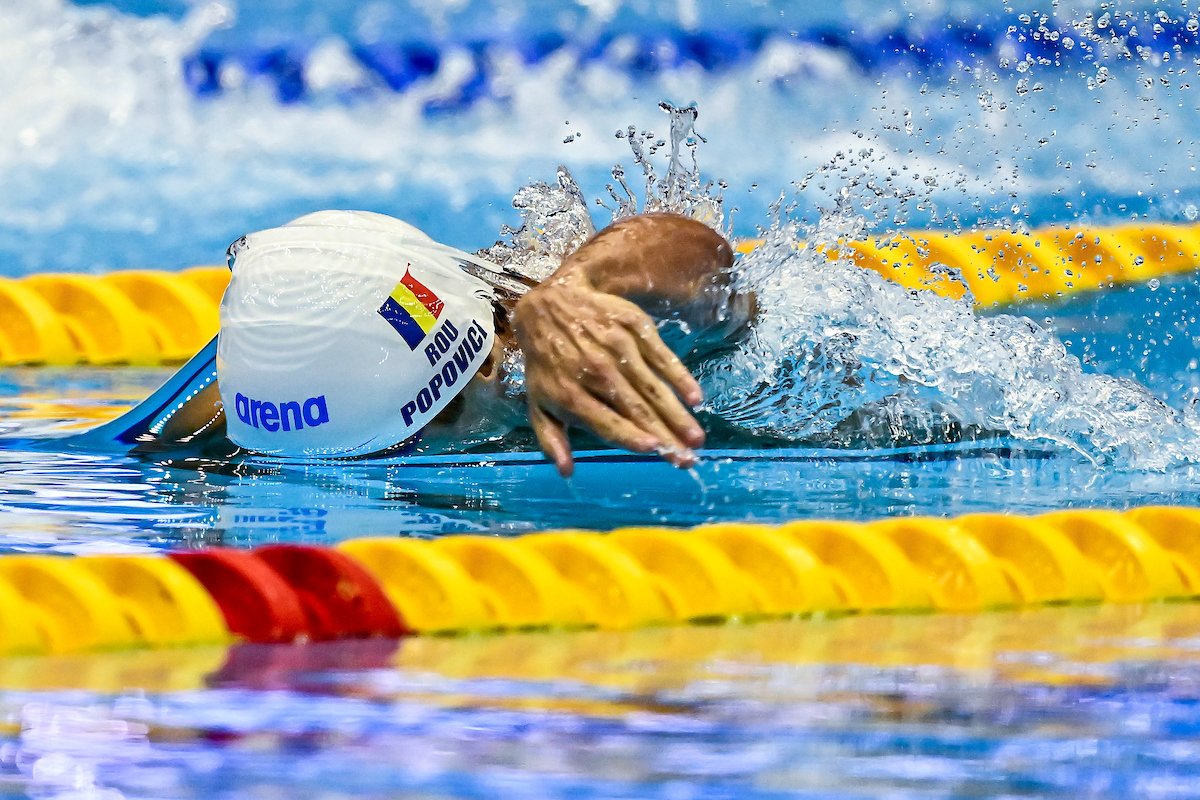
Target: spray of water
{"type": "Point", "coordinates": [839, 355]}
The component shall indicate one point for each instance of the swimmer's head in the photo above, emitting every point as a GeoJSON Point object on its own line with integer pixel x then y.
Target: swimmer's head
{"type": "Point", "coordinates": [344, 333]}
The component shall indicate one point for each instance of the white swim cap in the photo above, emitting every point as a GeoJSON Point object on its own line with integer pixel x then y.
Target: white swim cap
{"type": "Point", "coordinates": [345, 332]}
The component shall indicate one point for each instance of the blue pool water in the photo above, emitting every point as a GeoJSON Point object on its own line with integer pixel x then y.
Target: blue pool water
{"type": "Point", "coordinates": [153, 132]}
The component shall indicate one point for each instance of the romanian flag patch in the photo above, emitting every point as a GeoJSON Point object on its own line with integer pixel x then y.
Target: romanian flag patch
{"type": "Point", "coordinates": [412, 309]}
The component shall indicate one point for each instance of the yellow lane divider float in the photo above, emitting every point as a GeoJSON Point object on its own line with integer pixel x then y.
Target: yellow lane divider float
{"type": "Point", "coordinates": [384, 588]}
{"type": "Point", "coordinates": [138, 317]}
{"type": "Point", "coordinates": [1002, 267]}
{"type": "Point", "coordinates": [147, 317]}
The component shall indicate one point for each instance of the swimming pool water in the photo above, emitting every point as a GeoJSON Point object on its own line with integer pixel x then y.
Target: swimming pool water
{"type": "Point", "coordinates": [1085, 701]}
{"type": "Point", "coordinates": [150, 140]}
{"type": "Point", "coordinates": [67, 499]}
{"type": "Point", "coordinates": [1066, 702]}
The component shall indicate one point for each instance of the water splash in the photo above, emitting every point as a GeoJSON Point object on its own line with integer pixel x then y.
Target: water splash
{"type": "Point", "coordinates": [681, 189]}
{"type": "Point", "coordinates": [554, 223]}
{"type": "Point", "coordinates": [843, 356]}
{"type": "Point", "coordinates": [840, 355]}
{"type": "Point", "coordinates": [555, 219]}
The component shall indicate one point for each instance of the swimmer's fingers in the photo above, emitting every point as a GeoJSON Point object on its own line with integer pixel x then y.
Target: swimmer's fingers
{"type": "Point", "coordinates": [596, 360]}
{"type": "Point", "coordinates": [656, 353]}
{"type": "Point", "coordinates": [614, 369]}
{"type": "Point", "coordinates": [649, 400]}
{"type": "Point", "coordinates": [612, 426]}
{"type": "Point", "coordinates": [619, 395]}
{"type": "Point", "coordinates": [573, 403]}
{"type": "Point", "coordinates": [665, 363]}
{"type": "Point", "coordinates": [552, 438]}
{"type": "Point", "coordinates": [597, 396]}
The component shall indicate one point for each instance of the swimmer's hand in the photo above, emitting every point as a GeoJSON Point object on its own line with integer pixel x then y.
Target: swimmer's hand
{"type": "Point", "coordinates": [595, 360]}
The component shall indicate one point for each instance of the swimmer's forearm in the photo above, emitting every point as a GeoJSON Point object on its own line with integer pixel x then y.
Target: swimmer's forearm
{"type": "Point", "coordinates": [659, 261]}
{"type": "Point", "coordinates": [201, 415]}
{"type": "Point", "coordinates": [668, 265]}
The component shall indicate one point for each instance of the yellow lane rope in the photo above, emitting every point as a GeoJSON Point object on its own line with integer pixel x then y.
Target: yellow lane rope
{"type": "Point", "coordinates": [1002, 267]}
{"type": "Point", "coordinates": [145, 317]}
{"type": "Point", "coordinates": [575, 580]}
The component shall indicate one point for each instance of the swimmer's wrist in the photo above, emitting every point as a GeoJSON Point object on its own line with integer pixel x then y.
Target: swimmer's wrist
{"type": "Point", "coordinates": [573, 273]}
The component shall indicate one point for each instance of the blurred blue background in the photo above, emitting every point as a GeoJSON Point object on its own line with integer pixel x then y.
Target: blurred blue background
{"type": "Point", "coordinates": [151, 134]}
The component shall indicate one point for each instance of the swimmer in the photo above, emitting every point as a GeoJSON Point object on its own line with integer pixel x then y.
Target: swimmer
{"type": "Point", "coordinates": [353, 334]}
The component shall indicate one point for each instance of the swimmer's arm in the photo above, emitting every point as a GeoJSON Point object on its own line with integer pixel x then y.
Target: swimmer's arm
{"type": "Point", "coordinates": [201, 418]}
{"type": "Point", "coordinates": [593, 355]}
{"type": "Point", "coordinates": [668, 265]}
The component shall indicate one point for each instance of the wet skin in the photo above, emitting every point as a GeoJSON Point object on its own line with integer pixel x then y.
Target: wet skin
{"type": "Point", "coordinates": [593, 355]}
{"type": "Point", "coordinates": [594, 358]}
